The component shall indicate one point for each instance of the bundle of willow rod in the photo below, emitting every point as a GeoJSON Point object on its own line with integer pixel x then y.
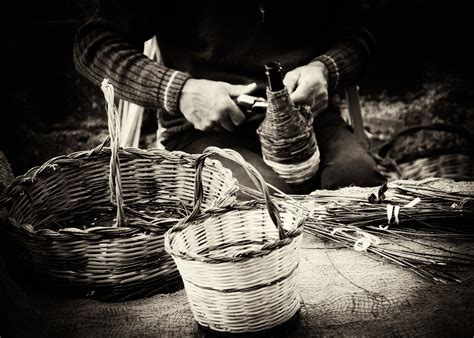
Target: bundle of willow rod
{"type": "Point", "coordinates": [430, 209]}
{"type": "Point", "coordinates": [407, 207]}
{"type": "Point", "coordinates": [132, 114]}
{"type": "Point", "coordinates": [427, 261]}
{"type": "Point", "coordinates": [394, 223]}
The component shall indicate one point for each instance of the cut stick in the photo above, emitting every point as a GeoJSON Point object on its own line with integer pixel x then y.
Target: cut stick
{"type": "Point", "coordinates": [132, 114]}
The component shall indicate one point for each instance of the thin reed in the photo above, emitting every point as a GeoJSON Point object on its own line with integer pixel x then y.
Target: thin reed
{"type": "Point", "coordinates": [409, 223]}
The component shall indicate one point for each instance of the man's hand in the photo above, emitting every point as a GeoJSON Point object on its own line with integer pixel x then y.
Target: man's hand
{"type": "Point", "coordinates": [308, 85]}
{"type": "Point", "coordinates": [209, 105]}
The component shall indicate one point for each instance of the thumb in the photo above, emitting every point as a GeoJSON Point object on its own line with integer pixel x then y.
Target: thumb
{"type": "Point", "coordinates": [290, 81]}
{"type": "Point", "coordinates": [301, 95]}
{"type": "Point", "coordinates": [236, 90]}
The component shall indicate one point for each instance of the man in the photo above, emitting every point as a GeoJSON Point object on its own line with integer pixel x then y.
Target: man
{"type": "Point", "coordinates": [215, 51]}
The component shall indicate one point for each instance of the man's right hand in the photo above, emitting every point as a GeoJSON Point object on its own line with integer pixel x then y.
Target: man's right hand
{"type": "Point", "coordinates": [209, 105]}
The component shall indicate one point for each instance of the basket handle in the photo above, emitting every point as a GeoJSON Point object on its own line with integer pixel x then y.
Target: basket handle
{"type": "Point", "coordinates": [385, 148]}
{"type": "Point", "coordinates": [115, 177]}
{"type": "Point", "coordinates": [254, 175]}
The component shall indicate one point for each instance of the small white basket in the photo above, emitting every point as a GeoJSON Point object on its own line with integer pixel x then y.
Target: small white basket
{"type": "Point", "coordinates": [239, 265]}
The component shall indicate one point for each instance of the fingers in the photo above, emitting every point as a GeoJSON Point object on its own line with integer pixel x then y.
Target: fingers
{"type": "Point", "coordinates": [314, 95]}
{"type": "Point", "coordinates": [291, 80]}
{"type": "Point", "coordinates": [208, 105]}
{"type": "Point", "coordinates": [236, 90]}
{"type": "Point", "coordinates": [230, 116]}
{"type": "Point", "coordinates": [235, 115]}
{"type": "Point", "coordinates": [304, 93]}
{"type": "Point", "coordinates": [227, 124]}
{"type": "Point", "coordinates": [308, 86]}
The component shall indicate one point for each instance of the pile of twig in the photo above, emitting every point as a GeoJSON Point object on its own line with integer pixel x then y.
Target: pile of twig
{"type": "Point", "coordinates": [406, 207]}
{"type": "Point", "coordinates": [397, 223]}
{"type": "Point", "coordinates": [426, 260]}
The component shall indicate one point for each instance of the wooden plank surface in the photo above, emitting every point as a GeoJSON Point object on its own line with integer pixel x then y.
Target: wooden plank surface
{"type": "Point", "coordinates": [343, 293]}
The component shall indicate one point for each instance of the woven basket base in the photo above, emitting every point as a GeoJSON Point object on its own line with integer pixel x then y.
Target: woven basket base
{"type": "Point", "coordinates": [254, 320]}
{"type": "Point", "coordinates": [277, 331]}
{"type": "Point", "coordinates": [243, 287]}
{"type": "Point", "coordinates": [33, 278]}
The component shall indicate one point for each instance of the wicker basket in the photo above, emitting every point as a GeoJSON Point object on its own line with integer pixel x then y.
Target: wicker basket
{"type": "Point", "coordinates": [456, 163]}
{"type": "Point", "coordinates": [67, 228]}
{"type": "Point", "coordinates": [239, 266]}
{"type": "Point", "coordinates": [458, 167]}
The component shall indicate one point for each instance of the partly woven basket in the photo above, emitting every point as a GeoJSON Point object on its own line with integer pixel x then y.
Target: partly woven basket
{"type": "Point", "coordinates": [288, 140]}
{"type": "Point", "coordinates": [239, 266]}
{"type": "Point", "coordinates": [96, 231]}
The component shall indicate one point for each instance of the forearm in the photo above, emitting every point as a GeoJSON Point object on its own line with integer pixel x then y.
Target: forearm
{"type": "Point", "coordinates": [101, 51]}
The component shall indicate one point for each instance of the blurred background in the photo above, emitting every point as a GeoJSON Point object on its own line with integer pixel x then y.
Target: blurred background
{"type": "Point", "coordinates": [422, 75]}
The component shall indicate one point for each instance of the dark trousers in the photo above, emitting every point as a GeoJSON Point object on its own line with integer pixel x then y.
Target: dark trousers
{"type": "Point", "coordinates": [344, 161]}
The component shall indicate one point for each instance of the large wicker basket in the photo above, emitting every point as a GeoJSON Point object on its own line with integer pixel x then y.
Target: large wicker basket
{"type": "Point", "coordinates": [239, 266]}
{"type": "Point", "coordinates": [96, 231]}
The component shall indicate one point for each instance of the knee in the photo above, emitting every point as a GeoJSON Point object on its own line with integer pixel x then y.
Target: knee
{"type": "Point", "coordinates": [353, 169]}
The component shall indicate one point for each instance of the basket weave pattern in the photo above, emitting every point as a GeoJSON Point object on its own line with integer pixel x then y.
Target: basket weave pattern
{"type": "Point", "coordinates": [288, 141]}
{"type": "Point", "coordinates": [238, 267]}
{"type": "Point", "coordinates": [66, 226]}
{"type": "Point", "coordinates": [457, 164]}
{"type": "Point", "coordinates": [458, 167]}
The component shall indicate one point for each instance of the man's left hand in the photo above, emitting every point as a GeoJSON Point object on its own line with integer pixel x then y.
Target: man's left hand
{"type": "Point", "coordinates": [308, 85]}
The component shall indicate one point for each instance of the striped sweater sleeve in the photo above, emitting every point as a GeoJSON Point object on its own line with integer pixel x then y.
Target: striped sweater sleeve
{"type": "Point", "coordinates": [346, 60]}
{"type": "Point", "coordinates": [352, 47]}
{"type": "Point", "coordinates": [109, 46]}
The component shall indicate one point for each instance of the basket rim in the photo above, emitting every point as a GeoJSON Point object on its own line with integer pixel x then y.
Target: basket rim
{"type": "Point", "coordinates": [19, 184]}
{"type": "Point", "coordinates": [51, 164]}
{"type": "Point", "coordinates": [265, 249]}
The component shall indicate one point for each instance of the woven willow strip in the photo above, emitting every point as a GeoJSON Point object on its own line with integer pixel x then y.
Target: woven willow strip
{"type": "Point", "coordinates": [288, 141]}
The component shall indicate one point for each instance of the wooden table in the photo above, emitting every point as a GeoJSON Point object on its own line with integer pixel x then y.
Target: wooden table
{"type": "Point", "coordinates": [342, 291]}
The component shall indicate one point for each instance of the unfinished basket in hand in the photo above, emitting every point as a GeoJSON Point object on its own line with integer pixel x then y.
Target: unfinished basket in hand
{"type": "Point", "coordinates": [93, 222]}
{"type": "Point", "coordinates": [239, 265]}
{"type": "Point", "coordinates": [288, 140]}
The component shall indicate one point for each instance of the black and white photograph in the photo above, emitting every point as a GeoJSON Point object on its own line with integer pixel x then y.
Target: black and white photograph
{"type": "Point", "coordinates": [250, 168]}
